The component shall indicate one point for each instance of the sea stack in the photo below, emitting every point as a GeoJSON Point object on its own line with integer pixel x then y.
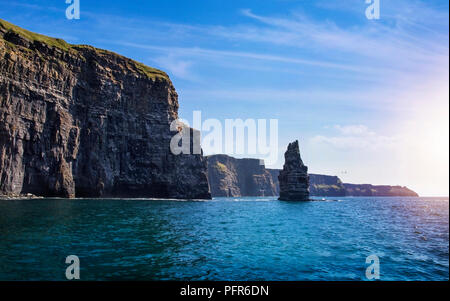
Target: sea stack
{"type": "Point", "coordinates": [294, 179]}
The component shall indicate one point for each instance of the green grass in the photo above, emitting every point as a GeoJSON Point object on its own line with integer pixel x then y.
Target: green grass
{"type": "Point", "coordinates": [31, 36]}
{"type": "Point", "coordinates": [326, 187]}
{"type": "Point", "coordinates": [221, 167]}
{"type": "Point", "coordinates": [149, 72]}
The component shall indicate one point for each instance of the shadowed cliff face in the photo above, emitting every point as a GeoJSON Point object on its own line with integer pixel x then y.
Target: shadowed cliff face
{"type": "Point", "coordinates": [84, 122]}
{"type": "Point", "coordinates": [233, 177]}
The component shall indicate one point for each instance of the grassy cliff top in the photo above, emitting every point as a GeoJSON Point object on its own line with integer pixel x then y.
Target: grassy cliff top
{"type": "Point", "coordinates": [150, 72]}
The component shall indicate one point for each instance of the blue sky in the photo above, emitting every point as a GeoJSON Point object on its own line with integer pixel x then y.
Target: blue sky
{"type": "Point", "coordinates": [368, 99]}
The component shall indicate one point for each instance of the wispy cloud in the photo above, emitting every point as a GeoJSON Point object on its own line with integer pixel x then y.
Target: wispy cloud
{"type": "Point", "coordinates": [356, 130]}
{"type": "Point", "coordinates": [175, 66]}
{"type": "Point", "coordinates": [212, 53]}
{"type": "Point", "coordinates": [373, 40]}
{"type": "Point", "coordinates": [354, 137]}
{"type": "Point", "coordinates": [390, 49]}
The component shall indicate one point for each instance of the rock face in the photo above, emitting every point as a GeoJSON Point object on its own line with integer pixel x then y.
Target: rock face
{"type": "Point", "coordinates": [294, 179]}
{"type": "Point", "coordinates": [319, 185]}
{"type": "Point", "coordinates": [224, 172]}
{"type": "Point", "coordinates": [76, 121]}
{"type": "Point", "coordinates": [378, 190]}
{"type": "Point", "coordinates": [275, 173]}
{"type": "Point", "coordinates": [231, 177]}
{"type": "Point", "coordinates": [322, 185]}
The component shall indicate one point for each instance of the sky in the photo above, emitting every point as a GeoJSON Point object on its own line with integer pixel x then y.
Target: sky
{"type": "Point", "coordinates": [367, 99]}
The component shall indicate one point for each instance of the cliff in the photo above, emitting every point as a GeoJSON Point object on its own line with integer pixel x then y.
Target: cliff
{"type": "Point", "coordinates": [322, 185]}
{"type": "Point", "coordinates": [293, 178]}
{"type": "Point", "coordinates": [223, 181]}
{"type": "Point", "coordinates": [377, 190]}
{"type": "Point", "coordinates": [77, 121]}
{"type": "Point", "coordinates": [233, 177]}
{"type": "Point", "coordinates": [274, 173]}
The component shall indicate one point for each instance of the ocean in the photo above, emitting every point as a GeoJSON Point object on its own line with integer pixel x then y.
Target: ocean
{"type": "Point", "coordinates": [251, 238]}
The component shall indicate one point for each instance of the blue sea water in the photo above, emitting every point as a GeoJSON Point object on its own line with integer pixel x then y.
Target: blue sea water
{"type": "Point", "coordinates": [225, 239]}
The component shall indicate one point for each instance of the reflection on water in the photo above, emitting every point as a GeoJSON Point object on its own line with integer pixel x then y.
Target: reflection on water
{"type": "Point", "coordinates": [225, 239]}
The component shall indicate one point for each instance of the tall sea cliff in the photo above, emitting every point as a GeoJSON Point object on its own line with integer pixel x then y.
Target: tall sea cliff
{"type": "Point", "coordinates": [233, 177]}
{"type": "Point", "coordinates": [77, 121]}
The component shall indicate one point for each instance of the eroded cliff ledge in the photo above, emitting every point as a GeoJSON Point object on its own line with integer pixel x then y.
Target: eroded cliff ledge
{"type": "Point", "coordinates": [76, 121]}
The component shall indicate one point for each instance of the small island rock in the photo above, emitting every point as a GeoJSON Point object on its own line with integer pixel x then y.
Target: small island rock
{"type": "Point", "coordinates": [294, 179]}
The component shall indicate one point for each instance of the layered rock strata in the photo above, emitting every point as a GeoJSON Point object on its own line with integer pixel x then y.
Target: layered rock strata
{"type": "Point", "coordinates": [231, 177]}
{"type": "Point", "coordinates": [77, 121]}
